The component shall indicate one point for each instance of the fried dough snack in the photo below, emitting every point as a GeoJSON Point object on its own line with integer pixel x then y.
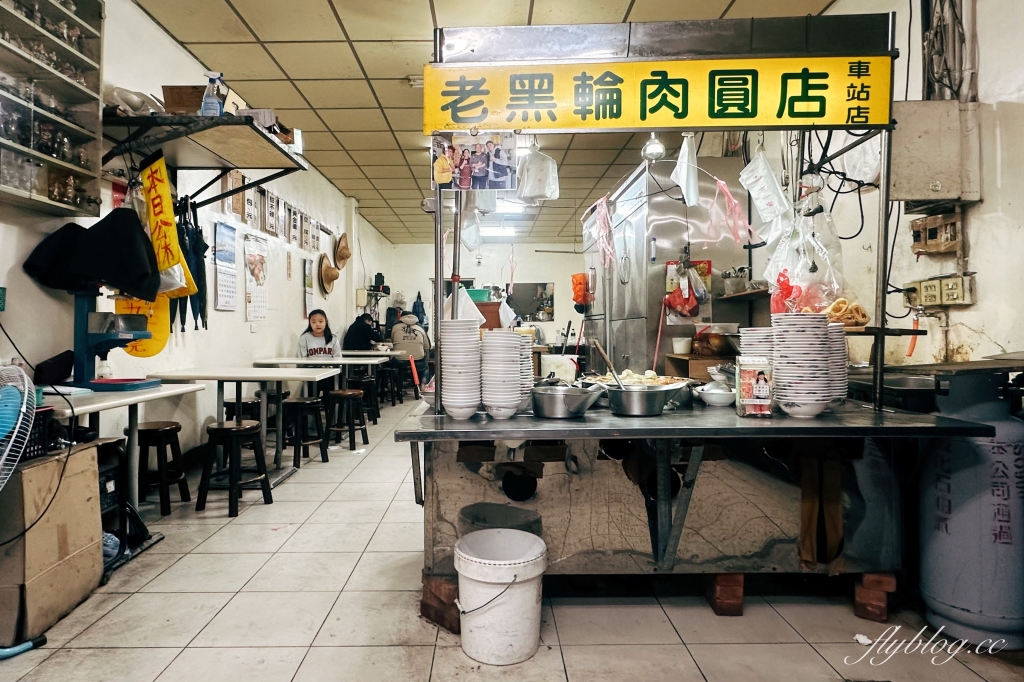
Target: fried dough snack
{"type": "Point", "coordinates": [850, 314]}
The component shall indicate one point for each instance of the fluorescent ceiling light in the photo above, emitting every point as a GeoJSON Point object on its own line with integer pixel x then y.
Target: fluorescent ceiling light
{"type": "Point", "coordinates": [497, 231]}
{"type": "Point", "coordinates": [506, 206]}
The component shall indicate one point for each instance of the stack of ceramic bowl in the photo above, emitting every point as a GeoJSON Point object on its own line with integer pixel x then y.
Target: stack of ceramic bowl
{"type": "Point", "coordinates": [526, 370]}
{"type": "Point", "coordinates": [460, 367]}
{"type": "Point", "coordinates": [800, 366]}
{"type": "Point", "coordinates": [838, 361]}
{"type": "Point", "coordinates": [500, 378]}
{"type": "Point", "coordinates": [756, 342]}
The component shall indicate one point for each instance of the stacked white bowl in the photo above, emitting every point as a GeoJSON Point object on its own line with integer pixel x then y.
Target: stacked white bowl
{"type": "Point", "coordinates": [838, 360]}
{"type": "Point", "coordinates": [500, 352]}
{"type": "Point", "coordinates": [756, 341]}
{"type": "Point", "coordinates": [460, 367]}
{"type": "Point", "coordinates": [800, 368]}
{"type": "Point", "coordinates": [526, 370]}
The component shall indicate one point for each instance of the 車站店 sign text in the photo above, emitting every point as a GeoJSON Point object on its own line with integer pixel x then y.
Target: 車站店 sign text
{"type": "Point", "coordinates": [790, 92]}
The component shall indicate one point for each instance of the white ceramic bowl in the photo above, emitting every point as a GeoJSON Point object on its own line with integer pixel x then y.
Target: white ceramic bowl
{"type": "Point", "coordinates": [501, 412]}
{"type": "Point", "coordinates": [717, 398]}
{"type": "Point", "coordinates": [802, 410]}
{"type": "Point", "coordinates": [459, 412]}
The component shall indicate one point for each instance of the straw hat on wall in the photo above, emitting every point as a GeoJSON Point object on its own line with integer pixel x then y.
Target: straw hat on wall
{"type": "Point", "coordinates": [328, 274]}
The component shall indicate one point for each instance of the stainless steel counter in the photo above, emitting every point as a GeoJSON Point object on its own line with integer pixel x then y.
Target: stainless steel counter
{"type": "Point", "coordinates": [854, 420]}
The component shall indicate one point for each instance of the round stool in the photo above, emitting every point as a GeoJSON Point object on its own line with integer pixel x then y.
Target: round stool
{"type": "Point", "coordinates": [297, 413]}
{"type": "Point", "coordinates": [342, 408]}
{"type": "Point", "coordinates": [160, 436]}
{"type": "Point", "coordinates": [232, 436]}
{"type": "Point", "coordinates": [368, 385]}
{"type": "Point", "coordinates": [391, 377]}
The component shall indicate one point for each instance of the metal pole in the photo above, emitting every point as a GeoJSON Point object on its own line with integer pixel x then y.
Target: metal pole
{"type": "Point", "coordinates": [460, 204]}
{"type": "Point", "coordinates": [438, 295]}
{"type": "Point", "coordinates": [882, 267]}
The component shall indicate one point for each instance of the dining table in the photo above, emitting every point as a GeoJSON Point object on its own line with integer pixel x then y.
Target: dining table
{"type": "Point", "coordinates": [264, 376]}
{"type": "Point", "coordinates": [342, 364]}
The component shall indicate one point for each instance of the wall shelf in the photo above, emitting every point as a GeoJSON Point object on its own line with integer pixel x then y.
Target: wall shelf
{"type": "Point", "coordinates": [17, 197]}
{"type": "Point", "coordinates": [745, 295]}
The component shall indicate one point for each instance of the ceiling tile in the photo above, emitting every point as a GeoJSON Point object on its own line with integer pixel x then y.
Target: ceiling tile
{"type": "Point", "coordinates": [476, 13]}
{"type": "Point", "coordinates": [405, 119]}
{"type": "Point", "coordinates": [413, 141]}
{"type": "Point", "coordinates": [394, 183]}
{"type": "Point", "coordinates": [678, 10]}
{"type": "Point", "coordinates": [741, 9]}
{"type": "Point", "coordinates": [386, 19]}
{"type": "Point", "coordinates": [316, 60]}
{"type": "Point", "coordinates": [303, 119]}
{"type": "Point", "coordinates": [320, 142]}
{"type": "Point", "coordinates": [590, 156]}
{"type": "Point", "coordinates": [418, 158]}
{"type": "Point", "coordinates": [371, 140]}
{"type": "Point", "coordinates": [375, 172]}
{"type": "Point", "coordinates": [353, 184]}
{"type": "Point", "coordinates": [337, 94]}
{"type": "Point", "coordinates": [302, 20]}
{"type": "Point", "coordinates": [356, 120]}
{"type": "Point", "coordinates": [589, 11]}
{"type": "Point", "coordinates": [364, 194]}
{"type": "Point", "coordinates": [614, 141]}
{"type": "Point", "coordinates": [376, 212]}
{"type": "Point", "coordinates": [404, 203]}
{"type": "Point", "coordinates": [198, 20]}
{"type": "Point", "coordinates": [398, 93]}
{"type": "Point", "coordinates": [556, 154]}
{"type": "Point", "coordinates": [269, 94]}
{"type": "Point", "coordinates": [566, 171]}
{"type": "Point", "coordinates": [339, 172]}
{"type": "Point", "coordinates": [576, 183]}
{"type": "Point", "coordinates": [237, 61]}
{"type": "Point", "coordinates": [402, 194]}
{"type": "Point", "coordinates": [376, 158]}
{"type": "Point", "coordinates": [630, 156]}
{"type": "Point", "coordinates": [321, 159]}
{"type": "Point", "coordinates": [408, 212]}
{"type": "Point", "coordinates": [374, 203]}
{"type": "Point", "coordinates": [394, 60]}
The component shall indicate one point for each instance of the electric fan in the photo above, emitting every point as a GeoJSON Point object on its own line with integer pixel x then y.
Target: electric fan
{"type": "Point", "coordinates": [17, 410]}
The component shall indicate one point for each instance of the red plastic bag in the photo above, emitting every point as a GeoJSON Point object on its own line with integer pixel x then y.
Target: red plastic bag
{"type": "Point", "coordinates": [684, 304]}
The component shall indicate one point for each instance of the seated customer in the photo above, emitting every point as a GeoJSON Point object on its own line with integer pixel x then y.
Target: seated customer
{"type": "Point", "coordinates": [319, 342]}
{"type": "Point", "coordinates": [409, 336]}
{"type": "Point", "coordinates": [362, 335]}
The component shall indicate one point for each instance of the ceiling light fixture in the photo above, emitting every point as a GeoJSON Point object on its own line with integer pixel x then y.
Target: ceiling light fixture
{"type": "Point", "coordinates": [653, 150]}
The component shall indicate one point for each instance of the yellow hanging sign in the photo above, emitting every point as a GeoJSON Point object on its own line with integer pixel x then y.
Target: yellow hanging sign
{"type": "Point", "coordinates": [159, 324]}
{"type": "Point", "coordinates": [758, 93]}
{"type": "Point", "coordinates": [163, 229]}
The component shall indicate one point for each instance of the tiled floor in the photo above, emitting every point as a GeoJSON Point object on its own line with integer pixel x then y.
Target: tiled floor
{"type": "Point", "coordinates": [323, 585]}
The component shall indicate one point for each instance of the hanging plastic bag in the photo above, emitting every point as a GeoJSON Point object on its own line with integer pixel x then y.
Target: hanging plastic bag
{"type": "Point", "coordinates": [580, 293]}
{"type": "Point", "coordinates": [683, 302]}
{"type": "Point", "coordinates": [467, 309]}
{"type": "Point", "coordinates": [599, 226]}
{"type": "Point", "coordinates": [505, 314]}
{"type": "Point", "coordinates": [696, 284]}
{"type": "Point", "coordinates": [471, 237]}
{"type": "Point", "coordinates": [765, 191]}
{"type": "Point", "coordinates": [685, 172]}
{"type": "Point", "coordinates": [728, 219]}
{"type": "Point", "coordinates": [538, 178]}
{"type": "Point", "coordinates": [482, 200]}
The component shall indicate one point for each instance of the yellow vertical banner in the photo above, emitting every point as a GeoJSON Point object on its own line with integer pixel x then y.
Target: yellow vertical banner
{"type": "Point", "coordinates": [163, 229]}
{"type": "Point", "coordinates": [159, 325]}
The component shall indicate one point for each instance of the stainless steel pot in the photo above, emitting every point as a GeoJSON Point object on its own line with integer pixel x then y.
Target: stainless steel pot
{"type": "Point", "coordinates": [643, 401]}
{"type": "Point", "coordinates": [563, 402]}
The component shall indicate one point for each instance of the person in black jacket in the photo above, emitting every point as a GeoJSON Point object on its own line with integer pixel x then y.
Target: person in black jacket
{"type": "Point", "coordinates": [361, 335]}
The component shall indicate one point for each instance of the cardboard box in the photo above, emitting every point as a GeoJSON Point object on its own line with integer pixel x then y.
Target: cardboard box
{"type": "Point", "coordinates": [58, 561]}
{"type": "Point", "coordinates": [186, 100]}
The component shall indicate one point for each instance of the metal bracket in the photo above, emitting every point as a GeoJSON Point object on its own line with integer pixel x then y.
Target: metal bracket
{"type": "Point", "coordinates": [670, 534]}
{"type": "Point", "coordinates": [417, 483]}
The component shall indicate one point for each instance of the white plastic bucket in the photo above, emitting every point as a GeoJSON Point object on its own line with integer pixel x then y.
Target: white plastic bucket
{"type": "Point", "coordinates": [500, 572]}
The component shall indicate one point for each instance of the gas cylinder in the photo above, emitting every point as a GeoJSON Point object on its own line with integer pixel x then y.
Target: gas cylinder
{"type": "Point", "coordinates": [972, 519]}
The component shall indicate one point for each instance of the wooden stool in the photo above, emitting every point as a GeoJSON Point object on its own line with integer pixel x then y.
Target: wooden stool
{"type": "Point", "coordinates": [368, 385]}
{"type": "Point", "coordinates": [232, 436]}
{"type": "Point", "coordinates": [342, 408]}
{"type": "Point", "coordinates": [391, 377]}
{"type": "Point", "coordinates": [160, 435]}
{"type": "Point", "coordinates": [297, 411]}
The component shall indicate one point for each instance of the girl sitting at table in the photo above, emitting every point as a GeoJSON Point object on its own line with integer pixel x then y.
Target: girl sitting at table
{"type": "Point", "coordinates": [318, 342]}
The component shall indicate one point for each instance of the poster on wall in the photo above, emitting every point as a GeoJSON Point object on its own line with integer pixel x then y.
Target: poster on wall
{"type": "Point", "coordinates": [227, 270]}
{"type": "Point", "coordinates": [314, 234]}
{"type": "Point", "coordinates": [485, 161]}
{"type": "Point", "coordinates": [306, 242]}
{"type": "Point", "coordinates": [255, 278]}
{"type": "Point", "coordinates": [236, 202]}
{"type": "Point", "coordinates": [250, 208]}
{"type": "Point", "coordinates": [307, 268]}
{"type": "Point", "coordinates": [296, 227]}
{"type": "Point", "coordinates": [283, 211]}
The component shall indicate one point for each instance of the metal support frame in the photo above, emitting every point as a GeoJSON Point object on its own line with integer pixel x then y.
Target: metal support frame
{"type": "Point", "coordinates": [246, 186]}
{"type": "Point", "coordinates": [127, 145]}
{"type": "Point", "coordinates": [417, 480]}
{"type": "Point", "coordinates": [881, 271]}
{"type": "Point", "coordinates": [438, 296]}
{"type": "Point", "coordinates": [670, 523]}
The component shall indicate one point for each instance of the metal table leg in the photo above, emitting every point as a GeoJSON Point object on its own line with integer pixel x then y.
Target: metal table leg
{"type": "Point", "coordinates": [132, 452]}
{"type": "Point", "coordinates": [279, 387]}
{"type": "Point", "coordinates": [664, 490]}
{"type": "Point", "coordinates": [417, 484]}
{"type": "Point", "coordinates": [264, 413]}
{"type": "Point", "coordinates": [668, 557]}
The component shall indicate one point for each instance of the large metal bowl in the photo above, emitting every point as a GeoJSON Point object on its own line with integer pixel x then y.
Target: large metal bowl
{"type": "Point", "coordinates": [562, 402]}
{"type": "Point", "coordinates": [641, 401]}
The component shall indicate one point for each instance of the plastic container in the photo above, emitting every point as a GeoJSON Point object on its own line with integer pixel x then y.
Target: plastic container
{"type": "Point", "coordinates": [682, 345]}
{"type": "Point", "coordinates": [500, 572]}
{"type": "Point", "coordinates": [212, 106]}
{"type": "Point", "coordinates": [479, 295]}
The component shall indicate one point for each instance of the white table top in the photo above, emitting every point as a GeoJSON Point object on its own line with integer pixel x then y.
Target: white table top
{"type": "Point", "coordinates": [320, 362]}
{"type": "Point", "coordinates": [248, 374]}
{"type": "Point", "coordinates": [374, 353]}
{"type": "Point", "coordinates": [108, 400]}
